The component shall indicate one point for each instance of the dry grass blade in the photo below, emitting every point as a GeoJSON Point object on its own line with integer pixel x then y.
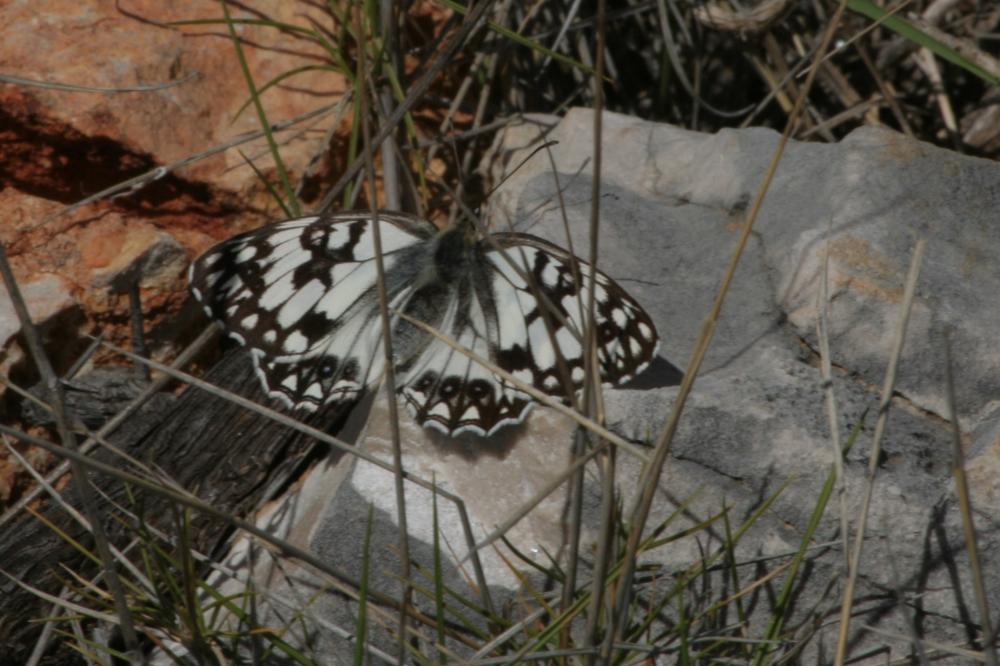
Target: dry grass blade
{"type": "Point", "coordinates": [651, 477]}
{"type": "Point", "coordinates": [73, 513]}
{"type": "Point", "coordinates": [417, 90]}
{"type": "Point", "coordinates": [965, 506]}
{"type": "Point", "coordinates": [847, 602]}
{"type": "Point", "coordinates": [406, 594]}
{"type": "Point", "coordinates": [138, 182]}
{"type": "Point", "coordinates": [822, 328]}
{"type": "Point", "coordinates": [342, 582]}
{"type": "Point", "coordinates": [42, 644]}
{"type": "Point", "coordinates": [326, 439]}
{"type": "Point", "coordinates": [942, 649]}
{"type": "Point", "coordinates": [546, 490]}
{"type": "Point", "coordinates": [65, 604]}
{"type": "Point", "coordinates": [592, 400]}
{"type": "Point", "coordinates": [67, 87]}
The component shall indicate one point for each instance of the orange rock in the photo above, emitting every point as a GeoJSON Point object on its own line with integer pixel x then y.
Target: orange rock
{"type": "Point", "coordinates": [98, 45]}
{"type": "Point", "coordinates": [101, 243]}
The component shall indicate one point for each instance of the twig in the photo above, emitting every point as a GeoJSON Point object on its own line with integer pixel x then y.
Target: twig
{"type": "Point", "coordinates": [888, 387]}
{"type": "Point", "coordinates": [651, 477]}
{"type": "Point", "coordinates": [965, 506]}
{"type": "Point", "coordinates": [406, 595]}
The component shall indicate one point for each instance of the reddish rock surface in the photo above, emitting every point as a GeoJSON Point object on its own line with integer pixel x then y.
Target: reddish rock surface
{"type": "Point", "coordinates": [58, 147]}
{"type": "Point", "coordinates": [128, 44]}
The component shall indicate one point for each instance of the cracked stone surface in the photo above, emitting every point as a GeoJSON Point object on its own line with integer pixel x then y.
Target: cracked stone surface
{"type": "Point", "coordinates": [671, 205]}
{"type": "Point", "coordinates": [672, 202]}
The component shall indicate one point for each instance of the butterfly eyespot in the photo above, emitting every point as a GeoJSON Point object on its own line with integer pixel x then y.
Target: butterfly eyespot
{"type": "Point", "coordinates": [302, 296]}
{"type": "Point", "coordinates": [449, 387]}
{"type": "Point", "coordinates": [479, 390]}
{"type": "Point", "coordinates": [425, 382]}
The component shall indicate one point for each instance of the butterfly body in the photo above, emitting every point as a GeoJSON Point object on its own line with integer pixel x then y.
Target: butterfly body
{"type": "Point", "coordinates": [302, 296]}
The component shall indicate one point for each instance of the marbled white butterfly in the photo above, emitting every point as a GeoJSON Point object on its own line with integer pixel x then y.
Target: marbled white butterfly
{"type": "Point", "coordinates": [301, 294]}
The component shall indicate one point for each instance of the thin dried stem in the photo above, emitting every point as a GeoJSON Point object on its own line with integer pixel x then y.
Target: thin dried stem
{"type": "Point", "coordinates": [651, 476]}
{"type": "Point", "coordinates": [520, 512]}
{"type": "Point", "coordinates": [339, 580]}
{"type": "Point", "coordinates": [69, 87]}
{"type": "Point", "coordinates": [112, 424]}
{"type": "Point", "coordinates": [417, 90]}
{"type": "Point", "coordinates": [390, 369]}
{"type": "Point", "coordinates": [340, 445]}
{"type": "Point", "coordinates": [965, 507]}
{"type": "Point", "coordinates": [822, 330]}
{"type": "Point", "coordinates": [847, 601]}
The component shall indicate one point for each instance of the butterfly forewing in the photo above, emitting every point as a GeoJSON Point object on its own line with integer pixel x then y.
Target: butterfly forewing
{"type": "Point", "coordinates": [302, 296]}
{"type": "Point", "coordinates": [548, 288]}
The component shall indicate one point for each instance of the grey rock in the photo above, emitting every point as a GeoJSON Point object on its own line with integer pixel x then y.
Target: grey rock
{"type": "Point", "coordinates": [152, 258]}
{"type": "Point", "coordinates": [46, 297]}
{"type": "Point", "coordinates": [672, 202]}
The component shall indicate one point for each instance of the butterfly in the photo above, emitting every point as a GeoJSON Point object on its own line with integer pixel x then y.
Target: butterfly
{"type": "Point", "coordinates": [301, 295]}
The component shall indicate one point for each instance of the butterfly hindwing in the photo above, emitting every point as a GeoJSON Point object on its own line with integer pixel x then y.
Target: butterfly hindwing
{"type": "Point", "coordinates": [449, 391]}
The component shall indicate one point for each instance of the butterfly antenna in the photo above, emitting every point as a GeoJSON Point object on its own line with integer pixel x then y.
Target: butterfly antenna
{"type": "Point", "coordinates": [473, 215]}
{"type": "Point", "coordinates": [547, 144]}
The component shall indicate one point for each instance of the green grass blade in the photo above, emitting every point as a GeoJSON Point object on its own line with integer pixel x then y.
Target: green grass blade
{"type": "Point", "coordinates": [784, 598]}
{"type": "Point", "coordinates": [265, 125]}
{"type": "Point", "coordinates": [913, 33]}
{"type": "Point", "coordinates": [438, 575]}
{"type": "Point", "coordinates": [521, 39]}
{"type": "Point", "coordinates": [362, 626]}
{"type": "Point", "coordinates": [278, 79]}
{"type": "Point", "coordinates": [275, 194]}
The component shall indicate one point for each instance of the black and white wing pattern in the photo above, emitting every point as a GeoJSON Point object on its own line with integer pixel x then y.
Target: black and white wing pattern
{"type": "Point", "coordinates": [301, 295]}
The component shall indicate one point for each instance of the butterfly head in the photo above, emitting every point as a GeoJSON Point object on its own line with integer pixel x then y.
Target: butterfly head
{"type": "Point", "coordinates": [454, 250]}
